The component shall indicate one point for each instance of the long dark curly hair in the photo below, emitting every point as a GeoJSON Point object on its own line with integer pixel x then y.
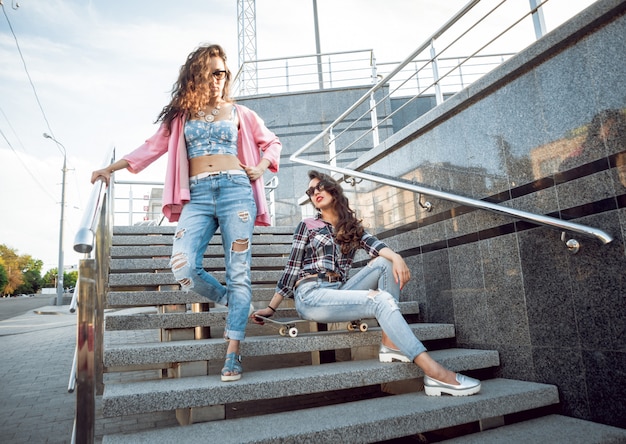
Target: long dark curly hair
{"type": "Point", "coordinates": [348, 231]}
{"type": "Point", "coordinates": [191, 91]}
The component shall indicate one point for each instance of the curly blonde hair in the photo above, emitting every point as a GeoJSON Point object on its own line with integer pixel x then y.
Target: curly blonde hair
{"type": "Point", "coordinates": [191, 91]}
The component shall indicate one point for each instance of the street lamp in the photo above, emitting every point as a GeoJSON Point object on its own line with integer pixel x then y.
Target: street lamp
{"type": "Point", "coordinates": [60, 267]}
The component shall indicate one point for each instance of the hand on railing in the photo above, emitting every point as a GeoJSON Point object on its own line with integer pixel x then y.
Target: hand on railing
{"type": "Point", "coordinates": [104, 174]}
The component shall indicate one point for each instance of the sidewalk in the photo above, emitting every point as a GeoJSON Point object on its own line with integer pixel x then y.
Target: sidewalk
{"type": "Point", "coordinates": [37, 352]}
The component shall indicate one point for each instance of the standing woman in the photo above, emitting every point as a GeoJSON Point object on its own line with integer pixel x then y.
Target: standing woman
{"type": "Point", "coordinates": [316, 275]}
{"type": "Point", "coordinates": [217, 154]}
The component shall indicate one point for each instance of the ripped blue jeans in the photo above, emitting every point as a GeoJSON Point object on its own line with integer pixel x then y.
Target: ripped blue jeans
{"type": "Point", "coordinates": [357, 299]}
{"type": "Point", "coordinates": [223, 201]}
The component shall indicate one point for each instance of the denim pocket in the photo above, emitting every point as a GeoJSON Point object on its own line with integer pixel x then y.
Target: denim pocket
{"type": "Point", "coordinates": [305, 289]}
{"type": "Point", "coordinates": [240, 180]}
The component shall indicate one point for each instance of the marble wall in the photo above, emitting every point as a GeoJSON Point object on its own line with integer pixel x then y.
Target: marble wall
{"type": "Point", "coordinates": [545, 133]}
{"type": "Point", "coordinates": [550, 139]}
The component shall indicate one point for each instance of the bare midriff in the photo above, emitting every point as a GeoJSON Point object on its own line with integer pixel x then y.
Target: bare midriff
{"type": "Point", "coordinates": [215, 162]}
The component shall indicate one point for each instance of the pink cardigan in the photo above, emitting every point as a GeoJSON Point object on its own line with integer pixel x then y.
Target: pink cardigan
{"type": "Point", "coordinates": [253, 137]}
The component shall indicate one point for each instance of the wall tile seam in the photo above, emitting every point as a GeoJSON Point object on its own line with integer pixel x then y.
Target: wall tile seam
{"type": "Point", "coordinates": [513, 193]}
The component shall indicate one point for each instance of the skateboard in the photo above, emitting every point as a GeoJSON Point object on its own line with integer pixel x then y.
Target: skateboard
{"type": "Point", "coordinates": [287, 326]}
{"type": "Point", "coordinates": [357, 325]}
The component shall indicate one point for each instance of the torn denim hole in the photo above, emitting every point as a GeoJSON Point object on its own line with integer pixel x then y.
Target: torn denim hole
{"type": "Point", "coordinates": [180, 268]}
{"type": "Point", "coordinates": [372, 294]}
{"type": "Point", "coordinates": [239, 245]}
{"type": "Point", "coordinates": [244, 215]}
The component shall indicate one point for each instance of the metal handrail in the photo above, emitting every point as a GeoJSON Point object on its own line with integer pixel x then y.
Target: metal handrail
{"type": "Point", "coordinates": [279, 73]}
{"type": "Point", "coordinates": [540, 219]}
{"type": "Point", "coordinates": [368, 97]}
{"type": "Point", "coordinates": [86, 234]}
{"type": "Point", "coordinates": [348, 124]}
{"type": "Point", "coordinates": [270, 189]}
{"type": "Point", "coordinates": [385, 80]}
{"type": "Point", "coordinates": [92, 238]}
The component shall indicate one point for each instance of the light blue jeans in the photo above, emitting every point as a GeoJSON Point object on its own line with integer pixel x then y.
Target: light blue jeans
{"type": "Point", "coordinates": [223, 201]}
{"type": "Point", "coordinates": [357, 299]}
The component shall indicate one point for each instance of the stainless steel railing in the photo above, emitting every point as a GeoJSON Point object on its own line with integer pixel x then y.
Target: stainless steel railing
{"type": "Point", "coordinates": [139, 202]}
{"type": "Point", "coordinates": [539, 219]}
{"type": "Point", "coordinates": [478, 27]}
{"type": "Point", "coordinates": [367, 124]}
{"type": "Point", "coordinates": [93, 239]}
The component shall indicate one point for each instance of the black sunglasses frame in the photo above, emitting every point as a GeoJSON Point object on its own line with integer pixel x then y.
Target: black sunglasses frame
{"type": "Point", "coordinates": [319, 187]}
{"type": "Point", "coordinates": [220, 74]}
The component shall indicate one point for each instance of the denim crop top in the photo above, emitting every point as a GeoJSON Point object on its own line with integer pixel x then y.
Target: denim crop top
{"type": "Point", "coordinates": [207, 138]}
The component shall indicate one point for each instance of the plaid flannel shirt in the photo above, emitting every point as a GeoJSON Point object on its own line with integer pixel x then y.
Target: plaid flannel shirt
{"type": "Point", "coordinates": [314, 250]}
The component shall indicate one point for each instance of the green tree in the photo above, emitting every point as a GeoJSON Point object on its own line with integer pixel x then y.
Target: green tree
{"type": "Point", "coordinates": [32, 282]}
{"type": "Point", "coordinates": [4, 279]}
{"type": "Point", "coordinates": [50, 278]}
{"type": "Point", "coordinates": [69, 278]}
{"type": "Point", "coordinates": [14, 265]}
{"type": "Point", "coordinates": [23, 272]}
{"type": "Point", "coordinates": [31, 277]}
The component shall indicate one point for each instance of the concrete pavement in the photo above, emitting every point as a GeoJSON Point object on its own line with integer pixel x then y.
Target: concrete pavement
{"type": "Point", "coordinates": [36, 353]}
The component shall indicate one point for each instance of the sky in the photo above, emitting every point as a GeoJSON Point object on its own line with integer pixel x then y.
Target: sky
{"type": "Point", "coordinates": [95, 75]}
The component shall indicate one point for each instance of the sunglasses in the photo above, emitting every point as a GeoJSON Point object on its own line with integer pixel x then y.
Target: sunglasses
{"type": "Point", "coordinates": [219, 74]}
{"type": "Point", "coordinates": [311, 191]}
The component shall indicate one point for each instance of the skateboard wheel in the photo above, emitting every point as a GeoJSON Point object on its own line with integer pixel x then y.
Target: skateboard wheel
{"type": "Point", "coordinates": [350, 326]}
{"type": "Point", "coordinates": [282, 331]}
{"type": "Point", "coordinates": [363, 326]}
{"type": "Point", "coordinates": [293, 332]}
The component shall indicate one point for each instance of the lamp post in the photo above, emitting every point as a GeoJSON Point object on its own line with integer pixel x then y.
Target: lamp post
{"type": "Point", "coordinates": [60, 267]}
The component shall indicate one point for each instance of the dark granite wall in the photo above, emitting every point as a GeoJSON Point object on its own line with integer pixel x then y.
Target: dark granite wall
{"type": "Point", "coordinates": [550, 139]}
{"type": "Point", "coordinates": [545, 133]}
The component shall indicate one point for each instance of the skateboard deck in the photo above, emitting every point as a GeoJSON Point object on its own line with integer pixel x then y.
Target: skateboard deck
{"type": "Point", "coordinates": [287, 326]}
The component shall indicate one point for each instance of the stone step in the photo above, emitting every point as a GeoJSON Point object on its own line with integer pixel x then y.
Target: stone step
{"type": "Point", "coordinates": [216, 240]}
{"type": "Point", "coordinates": [553, 429]}
{"type": "Point", "coordinates": [155, 251]}
{"type": "Point", "coordinates": [167, 278]}
{"type": "Point", "coordinates": [362, 421]}
{"type": "Point", "coordinates": [214, 318]}
{"type": "Point", "coordinates": [170, 230]}
{"type": "Point", "coordinates": [170, 394]}
{"type": "Point", "coordinates": [209, 264]}
{"type": "Point", "coordinates": [152, 298]}
{"type": "Point", "coordinates": [206, 349]}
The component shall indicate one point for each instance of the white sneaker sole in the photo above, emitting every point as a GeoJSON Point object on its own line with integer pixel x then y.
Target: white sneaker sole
{"type": "Point", "coordinates": [392, 357]}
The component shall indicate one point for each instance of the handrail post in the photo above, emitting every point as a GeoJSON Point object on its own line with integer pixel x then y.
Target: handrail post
{"type": "Point", "coordinates": [320, 77]}
{"type": "Point", "coordinates": [374, 68]}
{"type": "Point", "coordinates": [538, 21]}
{"type": "Point", "coordinates": [332, 151]}
{"type": "Point", "coordinates": [85, 375]}
{"type": "Point", "coordinates": [102, 254]}
{"type": "Point", "coordinates": [433, 55]}
{"type": "Point", "coordinates": [271, 186]}
{"type": "Point", "coordinates": [374, 121]}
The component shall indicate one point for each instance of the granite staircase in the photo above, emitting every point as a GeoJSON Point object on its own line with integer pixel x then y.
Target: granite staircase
{"type": "Point", "coordinates": [163, 351]}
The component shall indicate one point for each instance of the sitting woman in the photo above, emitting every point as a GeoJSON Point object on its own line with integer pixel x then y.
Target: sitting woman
{"type": "Point", "coordinates": [316, 275]}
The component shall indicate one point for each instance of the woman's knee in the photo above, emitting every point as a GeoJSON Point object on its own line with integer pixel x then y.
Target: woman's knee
{"type": "Point", "coordinates": [380, 262]}
{"type": "Point", "coordinates": [383, 299]}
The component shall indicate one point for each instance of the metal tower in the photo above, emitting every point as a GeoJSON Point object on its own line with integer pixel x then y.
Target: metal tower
{"type": "Point", "coordinates": [246, 29]}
